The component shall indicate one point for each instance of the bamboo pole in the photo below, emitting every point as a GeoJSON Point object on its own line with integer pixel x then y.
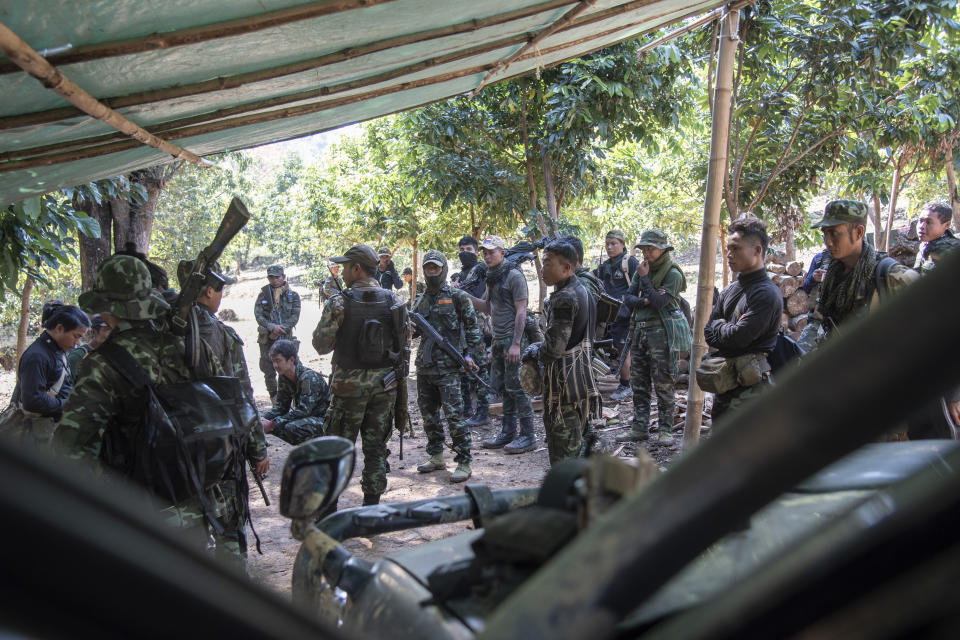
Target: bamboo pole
{"type": "Point", "coordinates": [203, 33]}
{"type": "Point", "coordinates": [719, 148]}
{"type": "Point", "coordinates": [30, 61]}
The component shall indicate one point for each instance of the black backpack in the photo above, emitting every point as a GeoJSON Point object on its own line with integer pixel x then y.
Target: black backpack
{"type": "Point", "coordinates": [785, 350]}
{"type": "Point", "coordinates": [191, 435]}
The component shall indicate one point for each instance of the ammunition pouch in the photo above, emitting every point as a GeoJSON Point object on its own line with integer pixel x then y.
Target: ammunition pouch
{"type": "Point", "coordinates": [720, 375]}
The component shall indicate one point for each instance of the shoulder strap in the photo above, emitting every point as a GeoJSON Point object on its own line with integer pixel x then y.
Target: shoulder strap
{"type": "Point", "coordinates": [54, 391]}
{"type": "Point", "coordinates": [121, 360]}
{"type": "Point", "coordinates": [625, 264]}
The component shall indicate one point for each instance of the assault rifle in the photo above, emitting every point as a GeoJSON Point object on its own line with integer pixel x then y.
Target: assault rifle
{"type": "Point", "coordinates": [182, 318]}
{"type": "Point", "coordinates": [515, 255]}
{"type": "Point", "coordinates": [433, 339]}
{"type": "Point", "coordinates": [259, 480]}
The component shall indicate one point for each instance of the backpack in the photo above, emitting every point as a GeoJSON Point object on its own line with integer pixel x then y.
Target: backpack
{"type": "Point", "coordinates": [190, 437]}
{"type": "Point", "coordinates": [785, 350]}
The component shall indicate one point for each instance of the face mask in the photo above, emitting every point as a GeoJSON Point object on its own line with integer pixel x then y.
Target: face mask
{"type": "Point", "coordinates": [434, 283]}
{"type": "Point", "coordinates": [467, 259]}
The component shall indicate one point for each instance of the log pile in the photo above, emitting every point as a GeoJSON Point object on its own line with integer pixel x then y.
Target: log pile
{"type": "Point", "coordinates": [788, 276]}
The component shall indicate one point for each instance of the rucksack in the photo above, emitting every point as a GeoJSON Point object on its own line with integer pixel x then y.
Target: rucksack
{"type": "Point", "coordinates": [191, 435]}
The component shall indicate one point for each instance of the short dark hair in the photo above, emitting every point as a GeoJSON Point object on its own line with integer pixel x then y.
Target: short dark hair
{"type": "Point", "coordinates": [751, 227]}
{"type": "Point", "coordinates": [563, 249]}
{"type": "Point", "coordinates": [49, 308]}
{"type": "Point", "coordinates": [284, 348]}
{"type": "Point", "coordinates": [407, 271]}
{"type": "Point", "coordinates": [370, 271]}
{"type": "Point", "coordinates": [67, 316]}
{"type": "Point", "coordinates": [575, 242]}
{"type": "Point", "coordinates": [469, 240]}
{"type": "Point", "coordinates": [942, 209]}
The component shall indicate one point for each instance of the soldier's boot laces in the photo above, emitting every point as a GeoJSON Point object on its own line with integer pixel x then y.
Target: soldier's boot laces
{"type": "Point", "coordinates": [634, 435]}
{"type": "Point", "coordinates": [462, 474]}
{"type": "Point", "coordinates": [435, 463]}
{"type": "Point", "coordinates": [623, 392]}
{"type": "Point", "coordinates": [508, 429]}
{"type": "Point", "coordinates": [481, 417]}
{"type": "Point", "coordinates": [526, 441]}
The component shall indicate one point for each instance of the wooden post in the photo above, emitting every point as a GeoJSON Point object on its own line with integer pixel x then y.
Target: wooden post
{"type": "Point", "coordinates": [952, 193]}
{"type": "Point", "coordinates": [719, 148]}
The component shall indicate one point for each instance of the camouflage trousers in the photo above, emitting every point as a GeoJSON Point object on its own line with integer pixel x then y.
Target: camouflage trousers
{"type": "Point", "coordinates": [442, 390]}
{"type": "Point", "coordinates": [653, 369]}
{"type": "Point", "coordinates": [231, 546]}
{"type": "Point", "coordinates": [228, 548]}
{"type": "Point", "coordinates": [469, 384]}
{"type": "Point", "coordinates": [266, 366]}
{"type": "Point", "coordinates": [565, 425]}
{"type": "Point", "coordinates": [505, 378]}
{"type": "Point", "coordinates": [733, 400]}
{"type": "Point", "coordinates": [299, 431]}
{"type": "Point", "coordinates": [371, 416]}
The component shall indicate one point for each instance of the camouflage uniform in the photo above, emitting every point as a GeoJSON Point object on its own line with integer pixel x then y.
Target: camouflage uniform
{"type": "Point", "coordinates": [468, 383]}
{"type": "Point", "coordinates": [931, 252]}
{"type": "Point", "coordinates": [451, 313]}
{"type": "Point", "coordinates": [301, 406]}
{"type": "Point", "coordinates": [274, 308]}
{"type": "Point", "coordinates": [103, 400]}
{"type": "Point", "coordinates": [571, 316]}
{"type": "Point", "coordinates": [331, 287]}
{"type": "Point", "coordinates": [74, 356]}
{"type": "Point", "coordinates": [360, 404]}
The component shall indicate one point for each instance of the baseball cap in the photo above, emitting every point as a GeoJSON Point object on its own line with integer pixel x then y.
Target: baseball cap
{"type": "Point", "coordinates": [275, 270]}
{"type": "Point", "coordinates": [493, 242]}
{"type": "Point", "coordinates": [842, 211]}
{"type": "Point", "coordinates": [619, 235]}
{"type": "Point", "coordinates": [359, 253]}
{"type": "Point", "coordinates": [384, 251]}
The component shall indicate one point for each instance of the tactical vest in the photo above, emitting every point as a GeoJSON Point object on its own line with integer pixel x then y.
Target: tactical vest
{"type": "Point", "coordinates": [365, 340]}
{"type": "Point", "coordinates": [614, 273]}
{"type": "Point", "coordinates": [442, 311]}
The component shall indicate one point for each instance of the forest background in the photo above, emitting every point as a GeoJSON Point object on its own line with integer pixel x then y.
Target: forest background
{"type": "Point", "coordinates": [830, 100]}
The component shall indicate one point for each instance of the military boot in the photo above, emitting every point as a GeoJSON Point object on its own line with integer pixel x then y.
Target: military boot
{"type": "Point", "coordinates": [462, 473]}
{"type": "Point", "coordinates": [481, 417]}
{"type": "Point", "coordinates": [634, 435]}
{"type": "Point", "coordinates": [508, 429]}
{"type": "Point", "coordinates": [526, 441]}
{"type": "Point", "coordinates": [665, 437]}
{"type": "Point", "coordinates": [435, 463]}
{"type": "Point", "coordinates": [370, 499]}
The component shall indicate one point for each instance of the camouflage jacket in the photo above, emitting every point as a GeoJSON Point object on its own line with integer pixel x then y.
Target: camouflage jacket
{"type": "Point", "coordinates": [74, 356]}
{"type": "Point", "coordinates": [931, 252]}
{"type": "Point", "coordinates": [347, 382]}
{"type": "Point", "coordinates": [227, 347]}
{"type": "Point", "coordinates": [103, 398]}
{"type": "Point", "coordinates": [590, 282]}
{"type": "Point", "coordinates": [330, 287]}
{"type": "Point", "coordinates": [568, 308]}
{"type": "Point", "coordinates": [306, 396]}
{"type": "Point", "coordinates": [285, 314]}
{"type": "Point", "coordinates": [451, 313]}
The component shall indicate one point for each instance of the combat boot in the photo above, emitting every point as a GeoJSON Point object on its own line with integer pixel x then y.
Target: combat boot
{"type": "Point", "coordinates": [435, 463]}
{"type": "Point", "coordinates": [370, 499]}
{"type": "Point", "coordinates": [481, 417]}
{"type": "Point", "coordinates": [634, 435]}
{"type": "Point", "coordinates": [462, 473]}
{"type": "Point", "coordinates": [665, 437]}
{"type": "Point", "coordinates": [526, 441]}
{"type": "Point", "coordinates": [623, 393]}
{"type": "Point", "coordinates": [508, 429]}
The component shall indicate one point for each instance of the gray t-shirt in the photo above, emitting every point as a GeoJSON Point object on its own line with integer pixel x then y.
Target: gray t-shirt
{"type": "Point", "coordinates": [503, 310]}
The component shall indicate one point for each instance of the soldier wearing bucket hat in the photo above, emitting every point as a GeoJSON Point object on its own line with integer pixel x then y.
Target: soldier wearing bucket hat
{"type": "Point", "coordinates": [616, 273]}
{"type": "Point", "coordinates": [858, 277]}
{"type": "Point", "coordinates": [277, 311]}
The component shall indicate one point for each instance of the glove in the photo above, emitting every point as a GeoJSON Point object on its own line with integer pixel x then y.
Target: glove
{"type": "Point", "coordinates": [632, 302]}
{"type": "Point", "coordinates": [532, 352]}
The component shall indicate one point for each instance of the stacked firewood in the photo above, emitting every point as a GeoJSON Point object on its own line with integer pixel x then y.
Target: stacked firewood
{"type": "Point", "coordinates": [788, 276]}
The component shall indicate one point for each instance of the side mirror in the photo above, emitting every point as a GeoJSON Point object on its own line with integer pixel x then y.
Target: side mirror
{"type": "Point", "coordinates": [315, 475]}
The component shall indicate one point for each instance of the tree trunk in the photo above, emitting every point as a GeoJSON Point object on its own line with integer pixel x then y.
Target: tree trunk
{"type": "Point", "coordinates": [416, 270]}
{"type": "Point", "coordinates": [723, 256]}
{"type": "Point", "coordinates": [93, 251]}
{"type": "Point", "coordinates": [474, 232]}
{"type": "Point", "coordinates": [952, 193]}
{"type": "Point", "coordinates": [541, 285]}
{"type": "Point", "coordinates": [877, 219]}
{"type": "Point", "coordinates": [789, 237]}
{"type": "Point", "coordinates": [24, 319]}
{"type": "Point", "coordinates": [894, 193]}
{"type": "Point", "coordinates": [548, 187]}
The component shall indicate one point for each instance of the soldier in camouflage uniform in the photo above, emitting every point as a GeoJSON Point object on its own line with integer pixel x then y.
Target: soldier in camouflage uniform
{"type": "Point", "coordinates": [101, 402]}
{"type": "Point", "coordinates": [277, 311]}
{"type": "Point", "coordinates": [227, 347]}
{"type": "Point", "coordinates": [98, 333]}
{"type": "Point", "coordinates": [934, 231]}
{"type": "Point", "coordinates": [566, 348]}
{"type": "Point", "coordinates": [472, 278]}
{"type": "Point", "coordinates": [858, 274]}
{"type": "Point", "coordinates": [360, 404]}
{"type": "Point", "coordinates": [332, 285]}
{"type": "Point", "coordinates": [302, 397]}
{"type": "Point", "coordinates": [451, 313]}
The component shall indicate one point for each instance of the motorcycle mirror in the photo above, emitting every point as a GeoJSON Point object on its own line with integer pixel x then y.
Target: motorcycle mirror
{"type": "Point", "coordinates": [315, 475]}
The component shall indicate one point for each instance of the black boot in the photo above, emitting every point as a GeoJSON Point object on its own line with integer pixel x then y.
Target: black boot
{"type": "Point", "coordinates": [508, 429]}
{"type": "Point", "coordinates": [481, 417]}
{"type": "Point", "coordinates": [526, 441]}
{"type": "Point", "coordinates": [371, 499]}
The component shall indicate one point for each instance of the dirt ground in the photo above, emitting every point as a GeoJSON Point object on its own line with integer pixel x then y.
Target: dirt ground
{"type": "Point", "coordinates": [499, 471]}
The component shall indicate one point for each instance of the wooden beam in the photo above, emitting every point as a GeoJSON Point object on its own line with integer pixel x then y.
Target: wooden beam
{"type": "Point", "coordinates": [687, 28]}
{"type": "Point", "coordinates": [204, 33]}
{"type": "Point", "coordinates": [564, 21]}
{"type": "Point", "coordinates": [30, 61]}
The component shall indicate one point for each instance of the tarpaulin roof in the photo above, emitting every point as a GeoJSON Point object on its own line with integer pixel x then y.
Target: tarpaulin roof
{"type": "Point", "coordinates": [211, 76]}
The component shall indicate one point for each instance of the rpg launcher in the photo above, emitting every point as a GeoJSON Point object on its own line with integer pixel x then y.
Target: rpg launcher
{"type": "Point", "coordinates": [181, 320]}
{"type": "Point", "coordinates": [432, 338]}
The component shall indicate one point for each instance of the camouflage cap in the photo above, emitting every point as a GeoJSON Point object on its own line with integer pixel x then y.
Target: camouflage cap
{"type": "Point", "coordinates": [359, 253]}
{"type": "Point", "coordinates": [619, 235]}
{"type": "Point", "coordinates": [123, 289]}
{"type": "Point", "coordinates": [654, 238]}
{"type": "Point", "coordinates": [493, 242]}
{"type": "Point", "coordinates": [185, 268]}
{"type": "Point", "coordinates": [435, 257]}
{"type": "Point", "coordinates": [842, 212]}
{"type": "Point", "coordinates": [275, 270]}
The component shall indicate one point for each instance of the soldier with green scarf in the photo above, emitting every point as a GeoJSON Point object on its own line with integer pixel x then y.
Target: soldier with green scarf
{"type": "Point", "coordinates": [660, 333]}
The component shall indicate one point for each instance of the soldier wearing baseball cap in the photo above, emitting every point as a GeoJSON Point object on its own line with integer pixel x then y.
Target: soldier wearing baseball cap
{"type": "Point", "coordinates": [357, 325]}
{"type": "Point", "coordinates": [333, 284]}
{"type": "Point", "coordinates": [277, 311]}
{"type": "Point", "coordinates": [858, 277]}
{"type": "Point", "coordinates": [386, 273]}
{"type": "Point", "coordinates": [616, 273]}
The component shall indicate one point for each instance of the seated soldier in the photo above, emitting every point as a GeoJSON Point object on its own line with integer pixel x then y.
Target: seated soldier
{"type": "Point", "coordinates": [302, 397]}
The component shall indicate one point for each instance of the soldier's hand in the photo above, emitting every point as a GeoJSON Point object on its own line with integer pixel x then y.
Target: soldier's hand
{"type": "Point", "coordinates": [954, 409]}
{"type": "Point", "coordinates": [267, 425]}
{"type": "Point", "coordinates": [643, 269]}
{"type": "Point", "coordinates": [471, 365]}
{"type": "Point", "coordinates": [263, 466]}
{"type": "Point", "coordinates": [513, 354]}
{"type": "Point", "coordinates": [819, 274]}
